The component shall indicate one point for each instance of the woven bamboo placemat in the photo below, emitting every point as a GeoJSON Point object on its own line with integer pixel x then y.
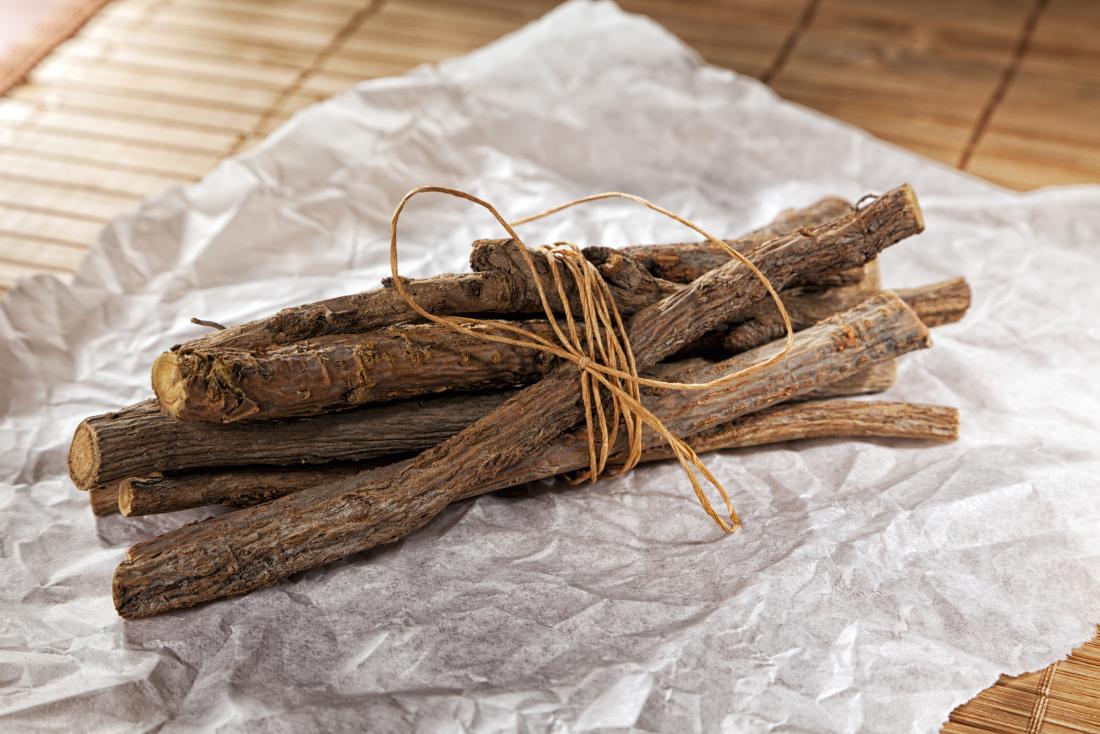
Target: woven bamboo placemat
{"type": "Point", "coordinates": [152, 93]}
{"type": "Point", "coordinates": [155, 92]}
{"type": "Point", "coordinates": [52, 22]}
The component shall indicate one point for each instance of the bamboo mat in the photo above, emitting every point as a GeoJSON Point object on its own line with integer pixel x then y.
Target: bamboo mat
{"type": "Point", "coordinates": [152, 93]}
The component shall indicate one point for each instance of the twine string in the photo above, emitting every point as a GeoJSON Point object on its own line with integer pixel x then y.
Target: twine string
{"type": "Point", "coordinates": [597, 341]}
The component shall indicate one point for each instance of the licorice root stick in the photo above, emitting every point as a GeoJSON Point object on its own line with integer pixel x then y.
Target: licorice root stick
{"type": "Point", "coordinates": [243, 487]}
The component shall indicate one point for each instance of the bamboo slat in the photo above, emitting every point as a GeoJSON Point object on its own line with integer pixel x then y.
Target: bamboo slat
{"type": "Point", "coordinates": [13, 270]}
{"type": "Point", "coordinates": [213, 22]}
{"type": "Point", "coordinates": [241, 16]}
{"type": "Point", "coordinates": [1062, 698]}
{"type": "Point", "coordinates": [130, 106]}
{"type": "Point", "coordinates": [76, 123]}
{"type": "Point", "coordinates": [309, 11]}
{"type": "Point", "coordinates": [170, 63]}
{"type": "Point", "coordinates": [52, 254]}
{"type": "Point", "coordinates": [746, 35]}
{"type": "Point", "coordinates": [937, 69]}
{"type": "Point", "coordinates": [20, 222]}
{"type": "Point", "coordinates": [19, 164]}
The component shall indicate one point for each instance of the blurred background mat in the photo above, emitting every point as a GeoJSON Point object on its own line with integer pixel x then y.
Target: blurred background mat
{"type": "Point", "coordinates": [151, 93]}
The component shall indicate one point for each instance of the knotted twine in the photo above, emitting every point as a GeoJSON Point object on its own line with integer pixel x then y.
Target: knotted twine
{"type": "Point", "coordinates": [603, 356]}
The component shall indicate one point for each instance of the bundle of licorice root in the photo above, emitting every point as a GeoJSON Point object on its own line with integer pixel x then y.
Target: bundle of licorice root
{"type": "Point", "coordinates": [336, 426]}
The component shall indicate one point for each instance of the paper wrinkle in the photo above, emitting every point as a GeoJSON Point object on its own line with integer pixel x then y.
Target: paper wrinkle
{"type": "Point", "coordinates": [874, 586]}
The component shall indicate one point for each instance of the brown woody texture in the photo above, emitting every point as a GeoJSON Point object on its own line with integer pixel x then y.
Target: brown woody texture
{"type": "Point", "coordinates": [683, 262]}
{"type": "Point", "coordinates": [140, 440]}
{"type": "Point", "coordinates": [936, 304]}
{"type": "Point", "coordinates": [244, 487]}
{"type": "Point", "coordinates": [134, 442]}
{"type": "Point", "coordinates": [825, 355]}
{"type": "Point", "coordinates": [204, 482]}
{"type": "Point", "coordinates": [340, 371]}
{"type": "Point", "coordinates": [487, 291]}
{"type": "Point", "coordinates": [104, 499]}
{"type": "Point", "coordinates": [327, 522]}
{"type": "Point", "coordinates": [336, 372]}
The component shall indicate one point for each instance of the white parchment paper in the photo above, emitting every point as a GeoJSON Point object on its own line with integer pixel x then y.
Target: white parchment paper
{"type": "Point", "coordinates": [874, 586]}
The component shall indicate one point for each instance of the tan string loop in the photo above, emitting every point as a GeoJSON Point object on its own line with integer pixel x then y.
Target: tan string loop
{"type": "Point", "coordinates": [598, 345]}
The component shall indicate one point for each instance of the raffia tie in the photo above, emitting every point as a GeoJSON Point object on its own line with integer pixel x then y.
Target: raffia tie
{"type": "Point", "coordinates": [596, 341]}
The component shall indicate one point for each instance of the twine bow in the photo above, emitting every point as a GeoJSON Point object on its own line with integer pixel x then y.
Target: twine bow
{"type": "Point", "coordinates": [599, 345]}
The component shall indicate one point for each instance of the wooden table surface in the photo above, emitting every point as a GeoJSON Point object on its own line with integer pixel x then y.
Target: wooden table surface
{"type": "Point", "coordinates": [152, 93]}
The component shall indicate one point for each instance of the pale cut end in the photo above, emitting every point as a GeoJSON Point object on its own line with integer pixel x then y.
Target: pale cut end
{"type": "Point", "coordinates": [962, 287]}
{"type": "Point", "coordinates": [168, 384]}
{"type": "Point", "coordinates": [952, 432]}
{"type": "Point", "coordinates": [104, 500]}
{"type": "Point", "coordinates": [125, 497]}
{"type": "Point", "coordinates": [84, 459]}
{"type": "Point", "coordinates": [914, 206]}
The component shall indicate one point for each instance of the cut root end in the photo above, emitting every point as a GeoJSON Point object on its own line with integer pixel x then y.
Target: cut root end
{"type": "Point", "coordinates": [84, 458]}
{"type": "Point", "coordinates": [168, 384]}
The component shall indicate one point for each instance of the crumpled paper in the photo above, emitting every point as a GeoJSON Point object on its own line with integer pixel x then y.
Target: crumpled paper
{"type": "Point", "coordinates": [874, 586]}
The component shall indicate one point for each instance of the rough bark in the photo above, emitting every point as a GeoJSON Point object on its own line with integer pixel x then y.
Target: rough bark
{"type": "Point", "coordinates": [805, 305]}
{"type": "Point", "coordinates": [245, 486]}
{"type": "Point", "coordinates": [336, 372]}
{"type": "Point", "coordinates": [827, 419]}
{"type": "Point", "coordinates": [234, 487]}
{"type": "Point", "coordinates": [487, 291]}
{"type": "Point", "coordinates": [879, 330]}
{"type": "Point", "coordinates": [442, 294]}
{"type": "Point", "coordinates": [876, 378]}
{"type": "Point", "coordinates": [340, 371]}
{"type": "Point", "coordinates": [136, 442]}
{"type": "Point", "coordinates": [940, 303]}
{"type": "Point", "coordinates": [297, 363]}
{"type": "Point", "coordinates": [631, 285]}
{"type": "Point", "coordinates": [140, 439]}
{"type": "Point", "coordinates": [936, 304]}
{"type": "Point", "coordinates": [683, 262]}
{"type": "Point", "coordinates": [820, 419]}
{"type": "Point", "coordinates": [257, 546]}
